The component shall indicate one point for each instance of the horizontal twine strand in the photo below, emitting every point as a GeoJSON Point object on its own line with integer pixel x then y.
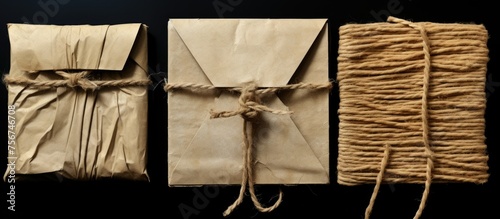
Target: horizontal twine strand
{"type": "Point", "coordinates": [385, 100]}
{"type": "Point", "coordinates": [193, 86]}
{"type": "Point", "coordinates": [249, 108]}
{"type": "Point", "coordinates": [77, 79]}
{"type": "Point", "coordinates": [373, 103]}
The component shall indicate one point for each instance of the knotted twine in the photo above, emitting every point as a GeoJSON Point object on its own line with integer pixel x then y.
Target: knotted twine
{"type": "Point", "coordinates": [380, 70]}
{"type": "Point", "coordinates": [76, 79]}
{"type": "Point", "coordinates": [250, 106]}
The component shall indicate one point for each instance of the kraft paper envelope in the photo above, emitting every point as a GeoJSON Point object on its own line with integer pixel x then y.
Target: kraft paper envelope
{"type": "Point", "coordinates": [72, 132]}
{"type": "Point", "coordinates": [227, 53]}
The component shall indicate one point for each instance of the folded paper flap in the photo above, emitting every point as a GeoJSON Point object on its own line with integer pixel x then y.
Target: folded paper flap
{"type": "Point", "coordinates": [63, 47]}
{"type": "Point", "coordinates": [233, 52]}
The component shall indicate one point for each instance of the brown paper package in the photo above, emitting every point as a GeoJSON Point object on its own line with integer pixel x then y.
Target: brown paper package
{"type": "Point", "coordinates": [231, 53]}
{"type": "Point", "coordinates": [84, 127]}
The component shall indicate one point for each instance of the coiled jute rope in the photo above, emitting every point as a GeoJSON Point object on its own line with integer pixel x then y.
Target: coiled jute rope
{"type": "Point", "coordinates": [412, 104]}
{"type": "Point", "coordinates": [250, 106]}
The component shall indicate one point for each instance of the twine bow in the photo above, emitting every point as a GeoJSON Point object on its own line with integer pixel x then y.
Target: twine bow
{"type": "Point", "coordinates": [250, 106]}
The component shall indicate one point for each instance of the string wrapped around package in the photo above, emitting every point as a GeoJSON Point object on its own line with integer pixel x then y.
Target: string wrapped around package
{"type": "Point", "coordinates": [248, 104]}
{"type": "Point", "coordinates": [80, 99]}
{"type": "Point", "coordinates": [412, 103]}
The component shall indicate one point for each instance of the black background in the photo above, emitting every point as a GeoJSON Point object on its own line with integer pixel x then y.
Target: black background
{"type": "Point", "coordinates": [155, 199]}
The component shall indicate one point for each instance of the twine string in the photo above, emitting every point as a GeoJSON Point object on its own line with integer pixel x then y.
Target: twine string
{"type": "Point", "coordinates": [78, 79]}
{"type": "Point", "coordinates": [425, 113]}
{"type": "Point", "coordinates": [193, 86]}
{"type": "Point", "coordinates": [250, 106]}
{"type": "Point", "coordinates": [425, 124]}
{"type": "Point", "coordinates": [73, 80]}
{"type": "Point", "coordinates": [380, 176]}
{"type": "Point", "coordinates": [380, 74]}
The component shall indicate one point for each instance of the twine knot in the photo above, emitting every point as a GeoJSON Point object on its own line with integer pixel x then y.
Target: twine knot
{"type": "Point", "coordinates": [248, 100]}
{"type": "Point", "coordinates": [78, 79]}
{"type": "Point", "coordinates": [74, 79]}
{"type": "Point", "coordinates": [250, 106]}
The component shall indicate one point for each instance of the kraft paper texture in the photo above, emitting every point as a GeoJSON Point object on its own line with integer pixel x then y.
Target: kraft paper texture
{"type": "Point", "coordinates": [76, 133]}
{"type": "Point", "coordinates": [227, 53]}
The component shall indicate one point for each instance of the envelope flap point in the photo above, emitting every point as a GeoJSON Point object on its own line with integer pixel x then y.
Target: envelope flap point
{"type": "Point", "coordinates": [233, 52]}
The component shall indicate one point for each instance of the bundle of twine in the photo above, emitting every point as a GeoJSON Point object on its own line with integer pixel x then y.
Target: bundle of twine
{"type": "Point", "coordinates": [412, 102]}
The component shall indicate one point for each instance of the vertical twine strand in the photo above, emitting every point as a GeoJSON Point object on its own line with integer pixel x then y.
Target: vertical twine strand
{"type": "Point", "coordinates": [380, 176]}
{"type": "Point", "coordinates": [244, 176]}
{"type": "Point", "coordinates": [434, 124]}
{"type": "Point", "coordinates": [382, 101]}
{"type": "Point", "coordinates": [249, 108]}
{"type": "Point", "coordinates": [425, 113]}
{"type": "Point", "coordinates": [425, 124]}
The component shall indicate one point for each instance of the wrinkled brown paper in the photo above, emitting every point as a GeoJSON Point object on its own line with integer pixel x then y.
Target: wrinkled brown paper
{"type": "Point", "coordinates": [289, 149]}
{"type": "Point", "coordinates": [71, 132]}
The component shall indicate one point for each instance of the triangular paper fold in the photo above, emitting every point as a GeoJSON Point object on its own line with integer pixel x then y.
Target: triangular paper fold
{"type": "Point", "coordinates": [233, 52]}
{"type": "Point", "coordinates": [229, 53]}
